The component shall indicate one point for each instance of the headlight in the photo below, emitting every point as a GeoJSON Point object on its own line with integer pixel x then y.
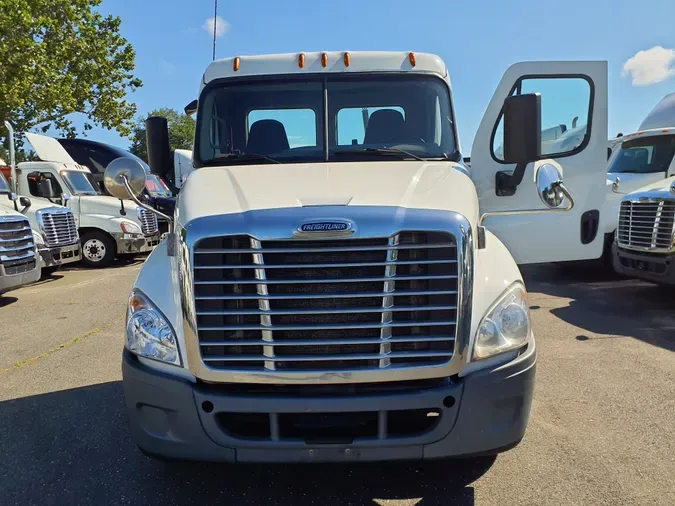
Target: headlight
{"type": "Point", "coordinates": [38, 239]}
{"type": "Point", "coordinates": [506, 325]}
{"type": "Point", "coordinates": [129, 227]}
{"type": "Point", "coordinates": [148, 332]}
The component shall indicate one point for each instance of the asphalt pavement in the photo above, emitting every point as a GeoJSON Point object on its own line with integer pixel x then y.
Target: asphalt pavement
{"type": "Point", "coordinates": [602, 430]}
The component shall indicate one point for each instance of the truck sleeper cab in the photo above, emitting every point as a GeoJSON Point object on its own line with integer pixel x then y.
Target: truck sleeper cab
{"type": "Point", "coordinates": [331, 290]}
{"type": "Point", "coordinates": [107, 226]}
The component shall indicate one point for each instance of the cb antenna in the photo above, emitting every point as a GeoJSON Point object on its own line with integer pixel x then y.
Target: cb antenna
{"type": "Point", "coordinates": [215, 24]}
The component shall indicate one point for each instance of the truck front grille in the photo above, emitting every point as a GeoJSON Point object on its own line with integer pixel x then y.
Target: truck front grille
{"type": "Point", "coordinates": [17, 249]}
{"type": "Point", "coordinates": [326, 305]}
{"type": "Point", "coordinates": [59, 228]}
{"type": "Point", "coordinates": [148, 222]}
{"type": "Point", "coordinates": [647, 225]}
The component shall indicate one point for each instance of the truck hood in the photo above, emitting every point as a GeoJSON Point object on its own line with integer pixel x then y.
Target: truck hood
{"type": "Point", "coordinates": [107, 206]}
{"type": "Point", "coordinates": [6, 211]}
{"type": "Point", "coordinates": [662, 185]}
{"type": "Point", "coordinates": [408, 184]}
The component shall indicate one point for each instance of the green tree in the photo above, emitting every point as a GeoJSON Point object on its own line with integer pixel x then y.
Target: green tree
{"type": "Point", "coordinates": [59, 57]}
{"type": "Point", "coordinates": [181, 131]}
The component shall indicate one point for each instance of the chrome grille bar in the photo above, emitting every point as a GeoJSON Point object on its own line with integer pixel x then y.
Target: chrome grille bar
{"type": "Point", "coordinates": [58, 226]}
{"type": "Point", "coordinates": [263, 304]}
{"type": "Point", "coordinates": [388, 301]}
{"type": "Point", "coordinates": [647, 225]}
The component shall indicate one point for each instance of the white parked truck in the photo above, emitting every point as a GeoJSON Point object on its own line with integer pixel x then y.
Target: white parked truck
{"type": "Point", "coordinates": [107, 226]}
{"type": "Point", "coordinates": [338, 287]}
{"type": "Point", "coordinates": [645, 238]}
{"type": "Point", "coordinates": [54, 229]}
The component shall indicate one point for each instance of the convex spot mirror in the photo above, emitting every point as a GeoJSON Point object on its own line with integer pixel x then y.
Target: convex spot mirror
{"type": "Point", "coordinates": [120, 169]}
{"type": "Point", "coordinates": [522, 128]}
{"type": "Point", "coordinates": [549, 186]}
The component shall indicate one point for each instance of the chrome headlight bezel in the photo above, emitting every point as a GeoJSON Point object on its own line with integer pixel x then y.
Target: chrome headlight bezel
{"type": "Point", "coordinates": [500, 332]}
{"type": "Point", "coordinates": [38, 238]}
{"type": "Point", "coordinates": [132, 227]}
{"type": "Point", "coordinates": [143, 318]}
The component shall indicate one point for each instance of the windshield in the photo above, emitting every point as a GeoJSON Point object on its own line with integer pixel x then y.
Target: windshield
{"type": "Point", "coordinates": [283, 121]}
{"type": "Point", "coordinates": [156, 187]}
{"type": "Point", "coordinates": [79, 182]}
{"type": "Point", "coordinates": [4, 186]}
{"type": "Point", "coordinates": [644, 155]}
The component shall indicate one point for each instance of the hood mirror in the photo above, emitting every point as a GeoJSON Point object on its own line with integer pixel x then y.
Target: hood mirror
{"type": "Point", "coordinates": [124, 178]}
{"type": "Point", "coordinates": [13, 197]}
{"type": "Point", "coordinates": [65, 198]}
{"type": "Point", "coordinates": [25, 202]}
{"type": "Point", "coordinates": [550, 186]}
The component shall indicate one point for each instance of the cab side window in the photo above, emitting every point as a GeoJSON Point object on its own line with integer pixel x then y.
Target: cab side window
{"type": "Point", "coordinates": [34, 179]}
{"type": "Point", "coordinates": [565, 115]}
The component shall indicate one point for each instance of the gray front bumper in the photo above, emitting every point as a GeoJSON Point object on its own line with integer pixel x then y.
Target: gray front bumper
{"type": "Point", "coordinates": [135, 243]}
{"type": "Point", "coordinates": [171, 417]}
{"type": "Point", "coordinates": [10, 282]}
{"type": "Point", "coordinates": [52, 257]}
{"type": "Point", "coordinates": [658, 268]}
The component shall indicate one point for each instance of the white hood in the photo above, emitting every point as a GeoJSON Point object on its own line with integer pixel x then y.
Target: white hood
{"type": "Point", "coordinates": [107, 206]}
{"type": "Point", "coordinates": [5, 211]}
{"type": "Point", "coordinates": [49, 149]}
{"type": "Point", "coordinates": [422, 185]}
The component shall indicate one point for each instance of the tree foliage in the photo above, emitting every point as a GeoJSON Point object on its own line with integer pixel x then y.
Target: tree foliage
{"type": "Point", "coordinates": [58, 57]}
{"type": "Point", "coordinates": [181, 131]}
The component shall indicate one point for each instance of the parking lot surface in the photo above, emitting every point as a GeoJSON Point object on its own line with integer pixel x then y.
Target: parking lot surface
{"type": "Point", "coordinates": [601, 430]}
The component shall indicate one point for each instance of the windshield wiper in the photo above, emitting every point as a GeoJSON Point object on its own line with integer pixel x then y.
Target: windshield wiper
{"type": "Point", "coordinates": [243, 157]}
{"type": "Point", "coordinates": [382, 151]}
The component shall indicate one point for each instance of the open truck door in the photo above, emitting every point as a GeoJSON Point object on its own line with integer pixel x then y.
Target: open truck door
{"type": "Point", "coordinates": [567, 90]}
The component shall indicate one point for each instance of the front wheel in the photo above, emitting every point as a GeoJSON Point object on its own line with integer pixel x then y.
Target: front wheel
{"type": "Point", "coordinates": [98, 249]}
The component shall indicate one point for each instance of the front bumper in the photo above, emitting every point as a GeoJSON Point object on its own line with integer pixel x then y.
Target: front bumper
{"type": "Point", "coordinates": [483, 413]}
{"type": "Point", "coordinates": [11, 281]}
{"type": "Point", "coordinates": [135, 243]}
{"type": "Point", "coordinates": [658, 268]}
{"type": "Point", "coordinates": [52, 257]}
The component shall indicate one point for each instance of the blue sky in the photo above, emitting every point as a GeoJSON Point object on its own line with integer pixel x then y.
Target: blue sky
{"type": "Point", "coordinates": [477, 39]}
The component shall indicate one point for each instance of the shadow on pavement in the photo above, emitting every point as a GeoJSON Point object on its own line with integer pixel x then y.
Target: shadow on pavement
{"type": "Point", "coordinates": [72, 447]}
{"type": "Point", "coordinates": [605, 304]}
{"type": "Point", "coordinates": [6, 301]}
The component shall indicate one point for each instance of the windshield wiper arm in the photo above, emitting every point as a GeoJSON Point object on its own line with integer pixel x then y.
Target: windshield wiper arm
{"type": "Point", "coordinates": [244, 157]}
{"type": "Point", "coordinates": [384, 151]}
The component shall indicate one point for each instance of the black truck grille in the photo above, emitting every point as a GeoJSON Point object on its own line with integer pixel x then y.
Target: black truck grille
{"type": "Point", "coordinates": [647, 225]}
{"type": "Point", "coordinates": [326, 305]}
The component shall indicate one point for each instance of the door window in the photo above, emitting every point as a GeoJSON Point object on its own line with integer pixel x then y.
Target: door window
{"type": "Point", "coordinates": [565, 115]}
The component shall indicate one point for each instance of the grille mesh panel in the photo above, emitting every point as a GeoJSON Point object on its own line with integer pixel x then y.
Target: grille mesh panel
{"type": "Point", "coordinates": [328, 304]}
{"type": "Point", "coordinates": [59, 228]}
{"type": "Point", "coordinates": [17, 248]}
{"type": "Point", "coordinates": [647, 225]}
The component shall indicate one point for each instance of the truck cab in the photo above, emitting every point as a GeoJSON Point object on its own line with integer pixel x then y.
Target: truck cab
{"type": "Point", "coordinates": [337, 286]}
{"type": "Point", "coordinates": [107, 226]}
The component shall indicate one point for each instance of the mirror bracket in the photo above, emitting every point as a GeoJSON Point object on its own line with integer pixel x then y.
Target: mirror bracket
{"type": "Point", "coordinates": [506, 183]}
{"type": "Point", "coordinates": [171, 239]}
{"type": "Point", "coordinates": [560, 185]}
{"type": "Point", "coordinates": [480, 237]}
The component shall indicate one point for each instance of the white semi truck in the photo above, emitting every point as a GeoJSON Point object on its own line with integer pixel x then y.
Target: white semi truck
{"type": "Point", "coordinates": [108, 227]}
{"type": "Point", "coordinates": [54, 228]}
{"type": "Point", "coordinates": [337, 289]}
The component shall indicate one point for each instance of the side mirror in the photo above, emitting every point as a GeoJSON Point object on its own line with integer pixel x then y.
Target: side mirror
{"type": "Point", "coordinates": [65, 198]}
{"type": "Point", "coordinates": [25, 202]}
{"type": "Point", "coordinates": [191, 108]}
{"type": "Point", "coordinates": [124, 178]}
{"type": "Point", "coordinates": [522, 128]}
{"type": "Point", "coordinates": [46, 189]}
{"type": "Point", "coordinates": [550, 186]}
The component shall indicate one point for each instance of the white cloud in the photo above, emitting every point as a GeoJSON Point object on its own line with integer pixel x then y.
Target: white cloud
{"type": "Point", "coordinates": [222, 26]}
{"type": "Point", "coordinates": [650, 66]}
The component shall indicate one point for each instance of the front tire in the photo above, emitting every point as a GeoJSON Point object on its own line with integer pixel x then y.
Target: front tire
{"type": "Point", "coordinates": [98, 249]}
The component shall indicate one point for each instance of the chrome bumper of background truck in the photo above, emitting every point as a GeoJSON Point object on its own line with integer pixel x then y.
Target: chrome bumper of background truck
{"type": "Point", "coordinates": [655, 267]}
{"type": "Point", "coordinates": [52, 257]}
{"type": "Point", "coordinates": [135, 243]}
{"type": "Point", "coordinates": [485, 412]}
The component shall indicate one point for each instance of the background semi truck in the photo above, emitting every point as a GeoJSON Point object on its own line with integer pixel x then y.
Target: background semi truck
{"type": "Point", "coordinates": [337, 289]}
{"type": "Point", "coordinates": [107, 226]}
